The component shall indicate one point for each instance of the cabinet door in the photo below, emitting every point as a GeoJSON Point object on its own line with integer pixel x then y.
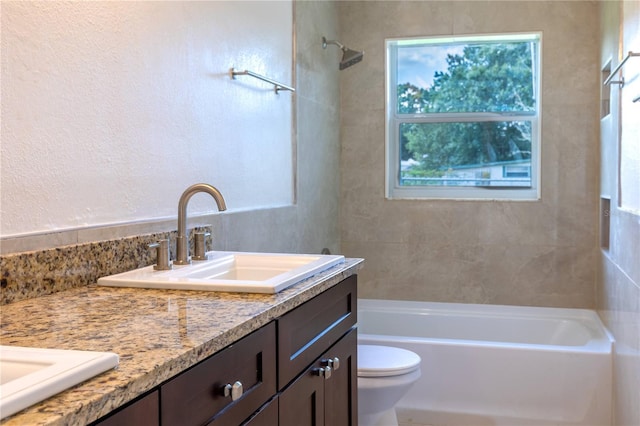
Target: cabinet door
{"type": "Point", "coordinates": [265, 416]}
{"type": "Point", "coordinates": [302, 403]}
{"type": "Point", "coordinates": [341, 389]}
{"type": "Point", "coordinates": [318, 398]}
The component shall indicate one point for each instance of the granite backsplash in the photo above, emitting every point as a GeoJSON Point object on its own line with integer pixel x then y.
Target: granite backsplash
{"type": "Point", "coordinates": [37, 273]}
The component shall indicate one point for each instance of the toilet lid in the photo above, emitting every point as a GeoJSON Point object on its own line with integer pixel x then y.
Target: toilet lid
{"type": "Point", "coordinates": [380, 361]}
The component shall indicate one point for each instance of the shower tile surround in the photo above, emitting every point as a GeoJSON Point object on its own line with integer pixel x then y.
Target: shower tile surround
{"type": "Point", "coordinates": [36, 273]}
{"type": "Point", "coordinates": [618, 285]}
{"type": "Point", "coordinates": [540, 253]}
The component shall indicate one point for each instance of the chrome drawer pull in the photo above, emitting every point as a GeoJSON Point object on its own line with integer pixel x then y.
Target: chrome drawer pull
{"type": "Point", "coordinates": [235, 390]}
{"type": "Point", "coordinates": [336, 363]}
{"type": "Point", "coordinates": [332, 362]}
{"type": "Point", "coordinates": [323, 372]}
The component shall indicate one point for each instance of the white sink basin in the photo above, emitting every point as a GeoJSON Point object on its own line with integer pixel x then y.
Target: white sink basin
{"type": "Point", "coordinates": [30, 375]}
{"type": "Point", "coordinates": [230, 271]}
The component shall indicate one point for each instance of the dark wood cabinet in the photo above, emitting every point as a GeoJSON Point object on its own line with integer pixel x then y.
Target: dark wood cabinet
{"type": "Point", "coordinates": [319, 338]}
{"type": "Point", "coordinates": [318, 397]}
{"type": "Point", "coordinates": [300, 369]}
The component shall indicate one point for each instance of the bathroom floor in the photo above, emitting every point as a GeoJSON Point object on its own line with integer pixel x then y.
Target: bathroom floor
{"type": "Point", "coordinates": [408, 417]}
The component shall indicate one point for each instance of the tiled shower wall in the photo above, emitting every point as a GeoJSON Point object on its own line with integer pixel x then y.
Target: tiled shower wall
{"type": "Point", "coordinates": [618, 289]}
{"type": "Point", "coordinates": [521, 253]}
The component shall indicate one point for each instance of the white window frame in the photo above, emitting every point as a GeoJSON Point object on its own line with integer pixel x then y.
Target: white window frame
{"type": "Point", "coordinates": [393, 121]}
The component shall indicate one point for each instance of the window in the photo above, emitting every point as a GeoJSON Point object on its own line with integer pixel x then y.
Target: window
{"type": "Point", "coordinates": [512, 171]}
{"type": "Point", "coordinates": [463, 117]}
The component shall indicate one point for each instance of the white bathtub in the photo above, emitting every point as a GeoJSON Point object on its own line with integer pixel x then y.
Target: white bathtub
{"type": "Point", "coordinates": [497, 365]}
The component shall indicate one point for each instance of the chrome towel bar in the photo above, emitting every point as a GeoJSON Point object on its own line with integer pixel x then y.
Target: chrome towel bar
{"type": "Point", "coordinates": [615, 71]}
{"type": "Point", "coordinates": [277, 86]}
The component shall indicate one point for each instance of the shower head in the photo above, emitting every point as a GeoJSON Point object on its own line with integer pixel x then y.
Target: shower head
{"type": "Point", "coordinates": [349, 56]}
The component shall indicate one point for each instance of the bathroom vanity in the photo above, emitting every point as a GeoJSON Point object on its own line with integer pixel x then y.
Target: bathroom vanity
{"type": "Point", "coordinates": [311, 381]}
{"type": "Point", "coordinates": [208, 358]}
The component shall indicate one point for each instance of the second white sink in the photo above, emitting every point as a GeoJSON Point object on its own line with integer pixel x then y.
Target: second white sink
{"type": "Point", "coordinates": [30, 375]}
{"type": "Point", "coordinates": [230, 271]}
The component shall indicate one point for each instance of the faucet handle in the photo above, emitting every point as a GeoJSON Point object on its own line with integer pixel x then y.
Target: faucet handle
{"type": "Point", "coordinates": [200, 244]}
{"type": "Point", "coordinates": [162, 255]}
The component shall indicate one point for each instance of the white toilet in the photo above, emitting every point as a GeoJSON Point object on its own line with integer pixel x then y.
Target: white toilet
{"type": "Point", "coordinates": [385, 374]}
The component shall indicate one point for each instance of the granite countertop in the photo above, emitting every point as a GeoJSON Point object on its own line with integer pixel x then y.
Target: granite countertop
{"type": "Point", "coordinates": [156, 333]}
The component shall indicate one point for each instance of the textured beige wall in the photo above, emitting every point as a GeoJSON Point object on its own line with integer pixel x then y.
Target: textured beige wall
{"type": "Point", "coordinates": [524, 253]}
{"type": "Point", "coordinates": [309, 225]}
{"type": "Point", "coordinates": [618, 291]}
{"type": "Point", "coordinates": [111, 109]}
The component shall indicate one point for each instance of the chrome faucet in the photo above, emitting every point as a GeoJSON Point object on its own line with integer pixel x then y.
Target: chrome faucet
{"type": "Point", "coordinates": [182, 248]}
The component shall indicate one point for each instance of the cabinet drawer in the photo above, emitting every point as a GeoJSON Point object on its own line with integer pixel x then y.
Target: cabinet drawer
{"type": "Point", "coordinates": [196, 396]}
{"type": "Point", "coordinates": [308, 330]}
